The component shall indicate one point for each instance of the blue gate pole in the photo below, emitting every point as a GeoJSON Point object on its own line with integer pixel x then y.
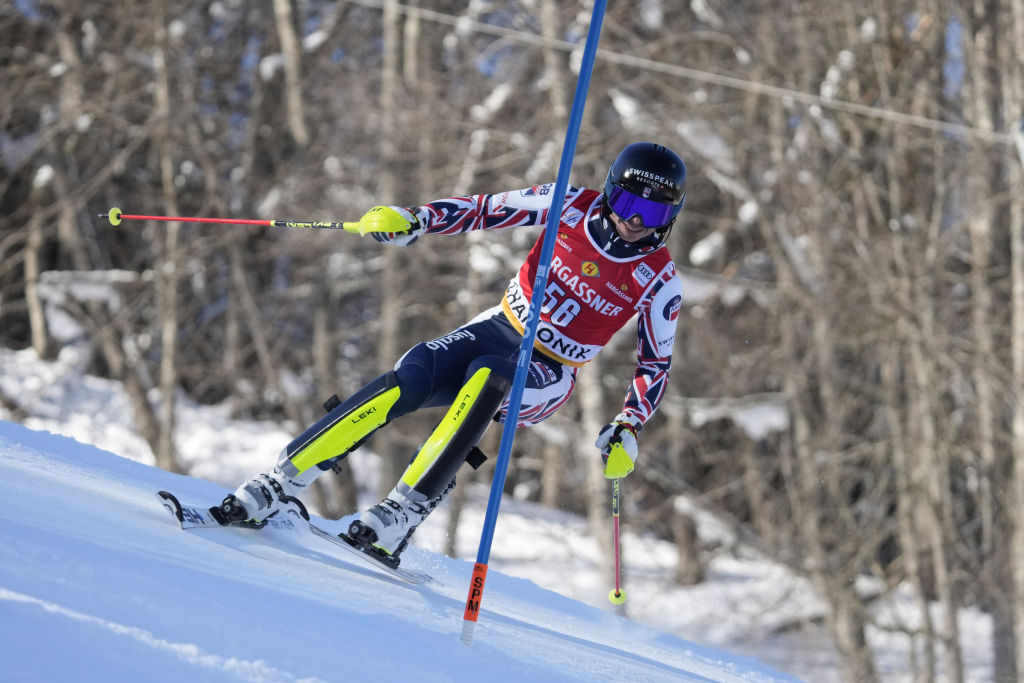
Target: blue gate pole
{"type": "Point", "coordinates": [476, 585]}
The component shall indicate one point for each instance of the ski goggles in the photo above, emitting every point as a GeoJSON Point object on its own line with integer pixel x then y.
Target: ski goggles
{"type": "Point", "coordinates": [653, 214]}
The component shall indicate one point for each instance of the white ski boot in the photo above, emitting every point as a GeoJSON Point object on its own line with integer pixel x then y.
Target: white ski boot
{"type": "Point", "coordinates": [264, 496]}
{"type": "Point", "coordinates": [388, 525]}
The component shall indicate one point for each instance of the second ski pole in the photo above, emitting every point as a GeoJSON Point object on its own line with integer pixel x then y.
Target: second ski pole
{"type": "Point", "coordinates": [617, 595]}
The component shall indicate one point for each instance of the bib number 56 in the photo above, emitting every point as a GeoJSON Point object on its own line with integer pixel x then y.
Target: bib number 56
{"type": "Point", "coordinates": [560, 308]}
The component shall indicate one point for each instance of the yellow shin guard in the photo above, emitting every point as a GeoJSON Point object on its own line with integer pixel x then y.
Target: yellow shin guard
{"type": "Point", "coordinates": [458, 433]}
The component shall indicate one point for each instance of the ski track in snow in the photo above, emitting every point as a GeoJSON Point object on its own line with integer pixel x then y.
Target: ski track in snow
{"type": "Point", "coordinates": [257, 672]}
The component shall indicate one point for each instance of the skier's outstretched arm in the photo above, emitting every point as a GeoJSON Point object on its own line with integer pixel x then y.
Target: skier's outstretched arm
{"type": "Point", "coordinates": [454, 215]}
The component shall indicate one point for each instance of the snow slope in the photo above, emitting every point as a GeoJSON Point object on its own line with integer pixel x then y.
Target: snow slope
{"type": "Point", "coordinates": [97, 582]}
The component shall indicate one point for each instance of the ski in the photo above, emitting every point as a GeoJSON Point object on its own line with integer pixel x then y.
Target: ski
{"type": "Point", "coordinates": [369, 556]}
{"type": "Point", "coordinates": [194, 517]}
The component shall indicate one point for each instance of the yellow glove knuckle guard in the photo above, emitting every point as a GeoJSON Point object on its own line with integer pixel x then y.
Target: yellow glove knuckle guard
{"type": "Point", "coordinates": [619, 463]}
{"type": "Point", "coordinates": [383, 219]}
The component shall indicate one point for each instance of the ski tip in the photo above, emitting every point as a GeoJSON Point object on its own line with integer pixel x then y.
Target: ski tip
{"type": "Point", "coordinates": [171, 504]}
{"type": "Point", "coordinates": [300, 508]}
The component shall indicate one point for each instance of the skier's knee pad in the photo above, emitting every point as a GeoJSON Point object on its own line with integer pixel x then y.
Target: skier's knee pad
{"type": "Point", "coordinates": [457, 435]}
{"type": "Point", "coordinates": [346, 425]}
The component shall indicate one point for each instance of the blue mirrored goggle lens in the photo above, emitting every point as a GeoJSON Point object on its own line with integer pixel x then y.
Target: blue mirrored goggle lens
{"type": "Point", "coordinates": [653, 214]}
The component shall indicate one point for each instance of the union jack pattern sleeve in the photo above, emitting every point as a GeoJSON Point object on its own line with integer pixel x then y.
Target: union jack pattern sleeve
{"type": "Point", "coordinates": [515, 208]}
{"type": "Point", "coordinates": [656, 330]}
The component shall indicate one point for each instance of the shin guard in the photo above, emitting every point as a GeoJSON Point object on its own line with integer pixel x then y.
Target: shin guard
{"type": "Point", "coordinates": [456, 437]}
{"type": "Point", "coordinates": [347, 425]}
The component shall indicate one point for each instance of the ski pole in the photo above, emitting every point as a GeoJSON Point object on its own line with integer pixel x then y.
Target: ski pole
{"type": "Point", "coordinates": [617, 596]}
{"type": "Point", "coordinates": [115, 216]}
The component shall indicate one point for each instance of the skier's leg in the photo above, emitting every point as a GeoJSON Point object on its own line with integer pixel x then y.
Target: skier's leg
{"type": "Point", "coordinates": [345, 426]}
{"type": "Point", "coordinates": [428, 375]}
{"type": "Point", "coordinates": [388, 525]}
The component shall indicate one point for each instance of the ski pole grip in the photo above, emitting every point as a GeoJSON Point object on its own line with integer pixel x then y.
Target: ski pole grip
{"type": "Point", "coordinates": [619, 464]}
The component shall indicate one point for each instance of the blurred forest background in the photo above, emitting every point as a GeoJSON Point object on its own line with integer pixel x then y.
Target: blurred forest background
{"type": "Point", "coordinates": [848, 386]}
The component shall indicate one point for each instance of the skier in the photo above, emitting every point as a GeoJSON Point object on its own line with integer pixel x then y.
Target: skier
{"type": "Point", "coordinates": [609, 263]}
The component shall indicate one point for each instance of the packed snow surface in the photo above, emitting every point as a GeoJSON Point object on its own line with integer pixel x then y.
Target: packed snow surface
{"type": "Point", "coordinates": [98, 582]}
{"type": "Point", "coordinates": [102, 546]}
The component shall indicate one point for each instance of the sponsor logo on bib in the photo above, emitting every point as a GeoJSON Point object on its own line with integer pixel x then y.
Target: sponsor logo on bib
{"type": "Point", "coordinates": [643, 274]}
{"type": "Point", "coordinates": [572, 217]}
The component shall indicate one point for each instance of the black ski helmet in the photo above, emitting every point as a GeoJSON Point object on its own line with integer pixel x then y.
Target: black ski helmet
{"type": "Point", "coordinates": [646, 180]}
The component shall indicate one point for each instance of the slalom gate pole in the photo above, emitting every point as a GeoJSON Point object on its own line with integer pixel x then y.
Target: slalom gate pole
{"type": "Point", "coordinates": [115, 216]}
{"type": "Point", "coordinates": [476, 584]}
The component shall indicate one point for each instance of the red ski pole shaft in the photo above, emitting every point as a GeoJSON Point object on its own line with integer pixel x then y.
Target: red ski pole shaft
{"type": "Point", "coordinates": [115, 216]}
{"type": "Point", "coordinates": [615, 516]}
{"type": "Point", "coordinates": [617, 596]}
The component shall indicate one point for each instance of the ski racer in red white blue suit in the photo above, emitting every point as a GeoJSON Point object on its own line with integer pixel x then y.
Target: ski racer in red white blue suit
{"type": "Point", "coordinates": [609, 264]}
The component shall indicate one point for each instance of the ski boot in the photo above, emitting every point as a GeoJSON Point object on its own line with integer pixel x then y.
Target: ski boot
{"type": "Point", "coordinates": [385, 529]}
{"type": "Point", "coordinates": [261, 498]}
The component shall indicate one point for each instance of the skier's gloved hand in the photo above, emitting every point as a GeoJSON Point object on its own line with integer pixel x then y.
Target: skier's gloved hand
{"type": "Point", "coordinates": [617, 441]}
{"type": "Point", "coordinates": [390, 224]}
